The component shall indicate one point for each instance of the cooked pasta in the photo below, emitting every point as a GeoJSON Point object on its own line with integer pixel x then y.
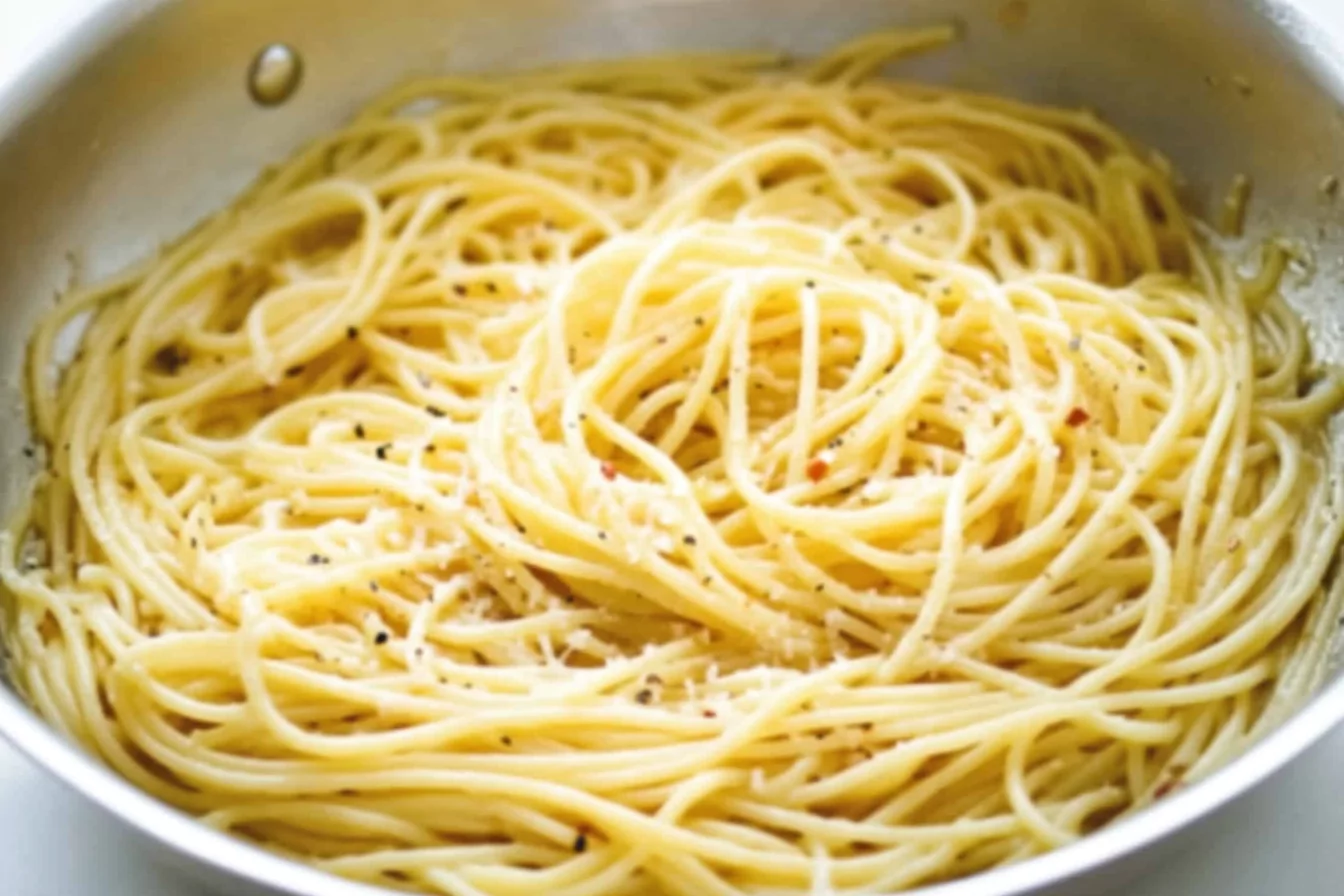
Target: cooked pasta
{"type": "Point", "coordinates": [704, 475]}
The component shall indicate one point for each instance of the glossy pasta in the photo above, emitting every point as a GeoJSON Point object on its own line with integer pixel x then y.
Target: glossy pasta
{"type": "Point", "coordinates": [694, 476]}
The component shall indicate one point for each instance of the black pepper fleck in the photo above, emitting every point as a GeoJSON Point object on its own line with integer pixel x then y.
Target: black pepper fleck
{"type": "Point", "coordinates": [170, 359]}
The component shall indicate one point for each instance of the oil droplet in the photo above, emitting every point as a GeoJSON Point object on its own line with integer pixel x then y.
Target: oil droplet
{"type": "Point", "coordinates": [1232, 221]}
{"type": "Point", "coordinates": [274, 74]}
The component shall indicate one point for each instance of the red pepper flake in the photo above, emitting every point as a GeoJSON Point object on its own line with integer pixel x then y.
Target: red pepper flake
{"type": "Point", "coordinates": [817, 469]}
{"type": "Point", "coordinates": [608, 470]}
{"type": "Point", "coordinates": [710, 714]}
{"type": "Point", "coordinates": [1177, 773]}
{"type": "Point", "coordinates": [1165, 788]}
{"type": "Point", "coordinates": [1077, 417]}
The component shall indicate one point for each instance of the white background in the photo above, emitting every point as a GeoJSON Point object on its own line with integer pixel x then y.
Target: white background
{"type": "Point", "coordinates": [1286, 839]}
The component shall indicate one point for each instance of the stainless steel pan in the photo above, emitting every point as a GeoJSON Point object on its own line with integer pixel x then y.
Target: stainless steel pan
{"type": "Point", "coordinates": [138, 122]}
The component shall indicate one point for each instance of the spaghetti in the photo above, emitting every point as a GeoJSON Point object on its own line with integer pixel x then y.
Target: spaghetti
{"type": "Point", "coordinates": [697, 476]}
